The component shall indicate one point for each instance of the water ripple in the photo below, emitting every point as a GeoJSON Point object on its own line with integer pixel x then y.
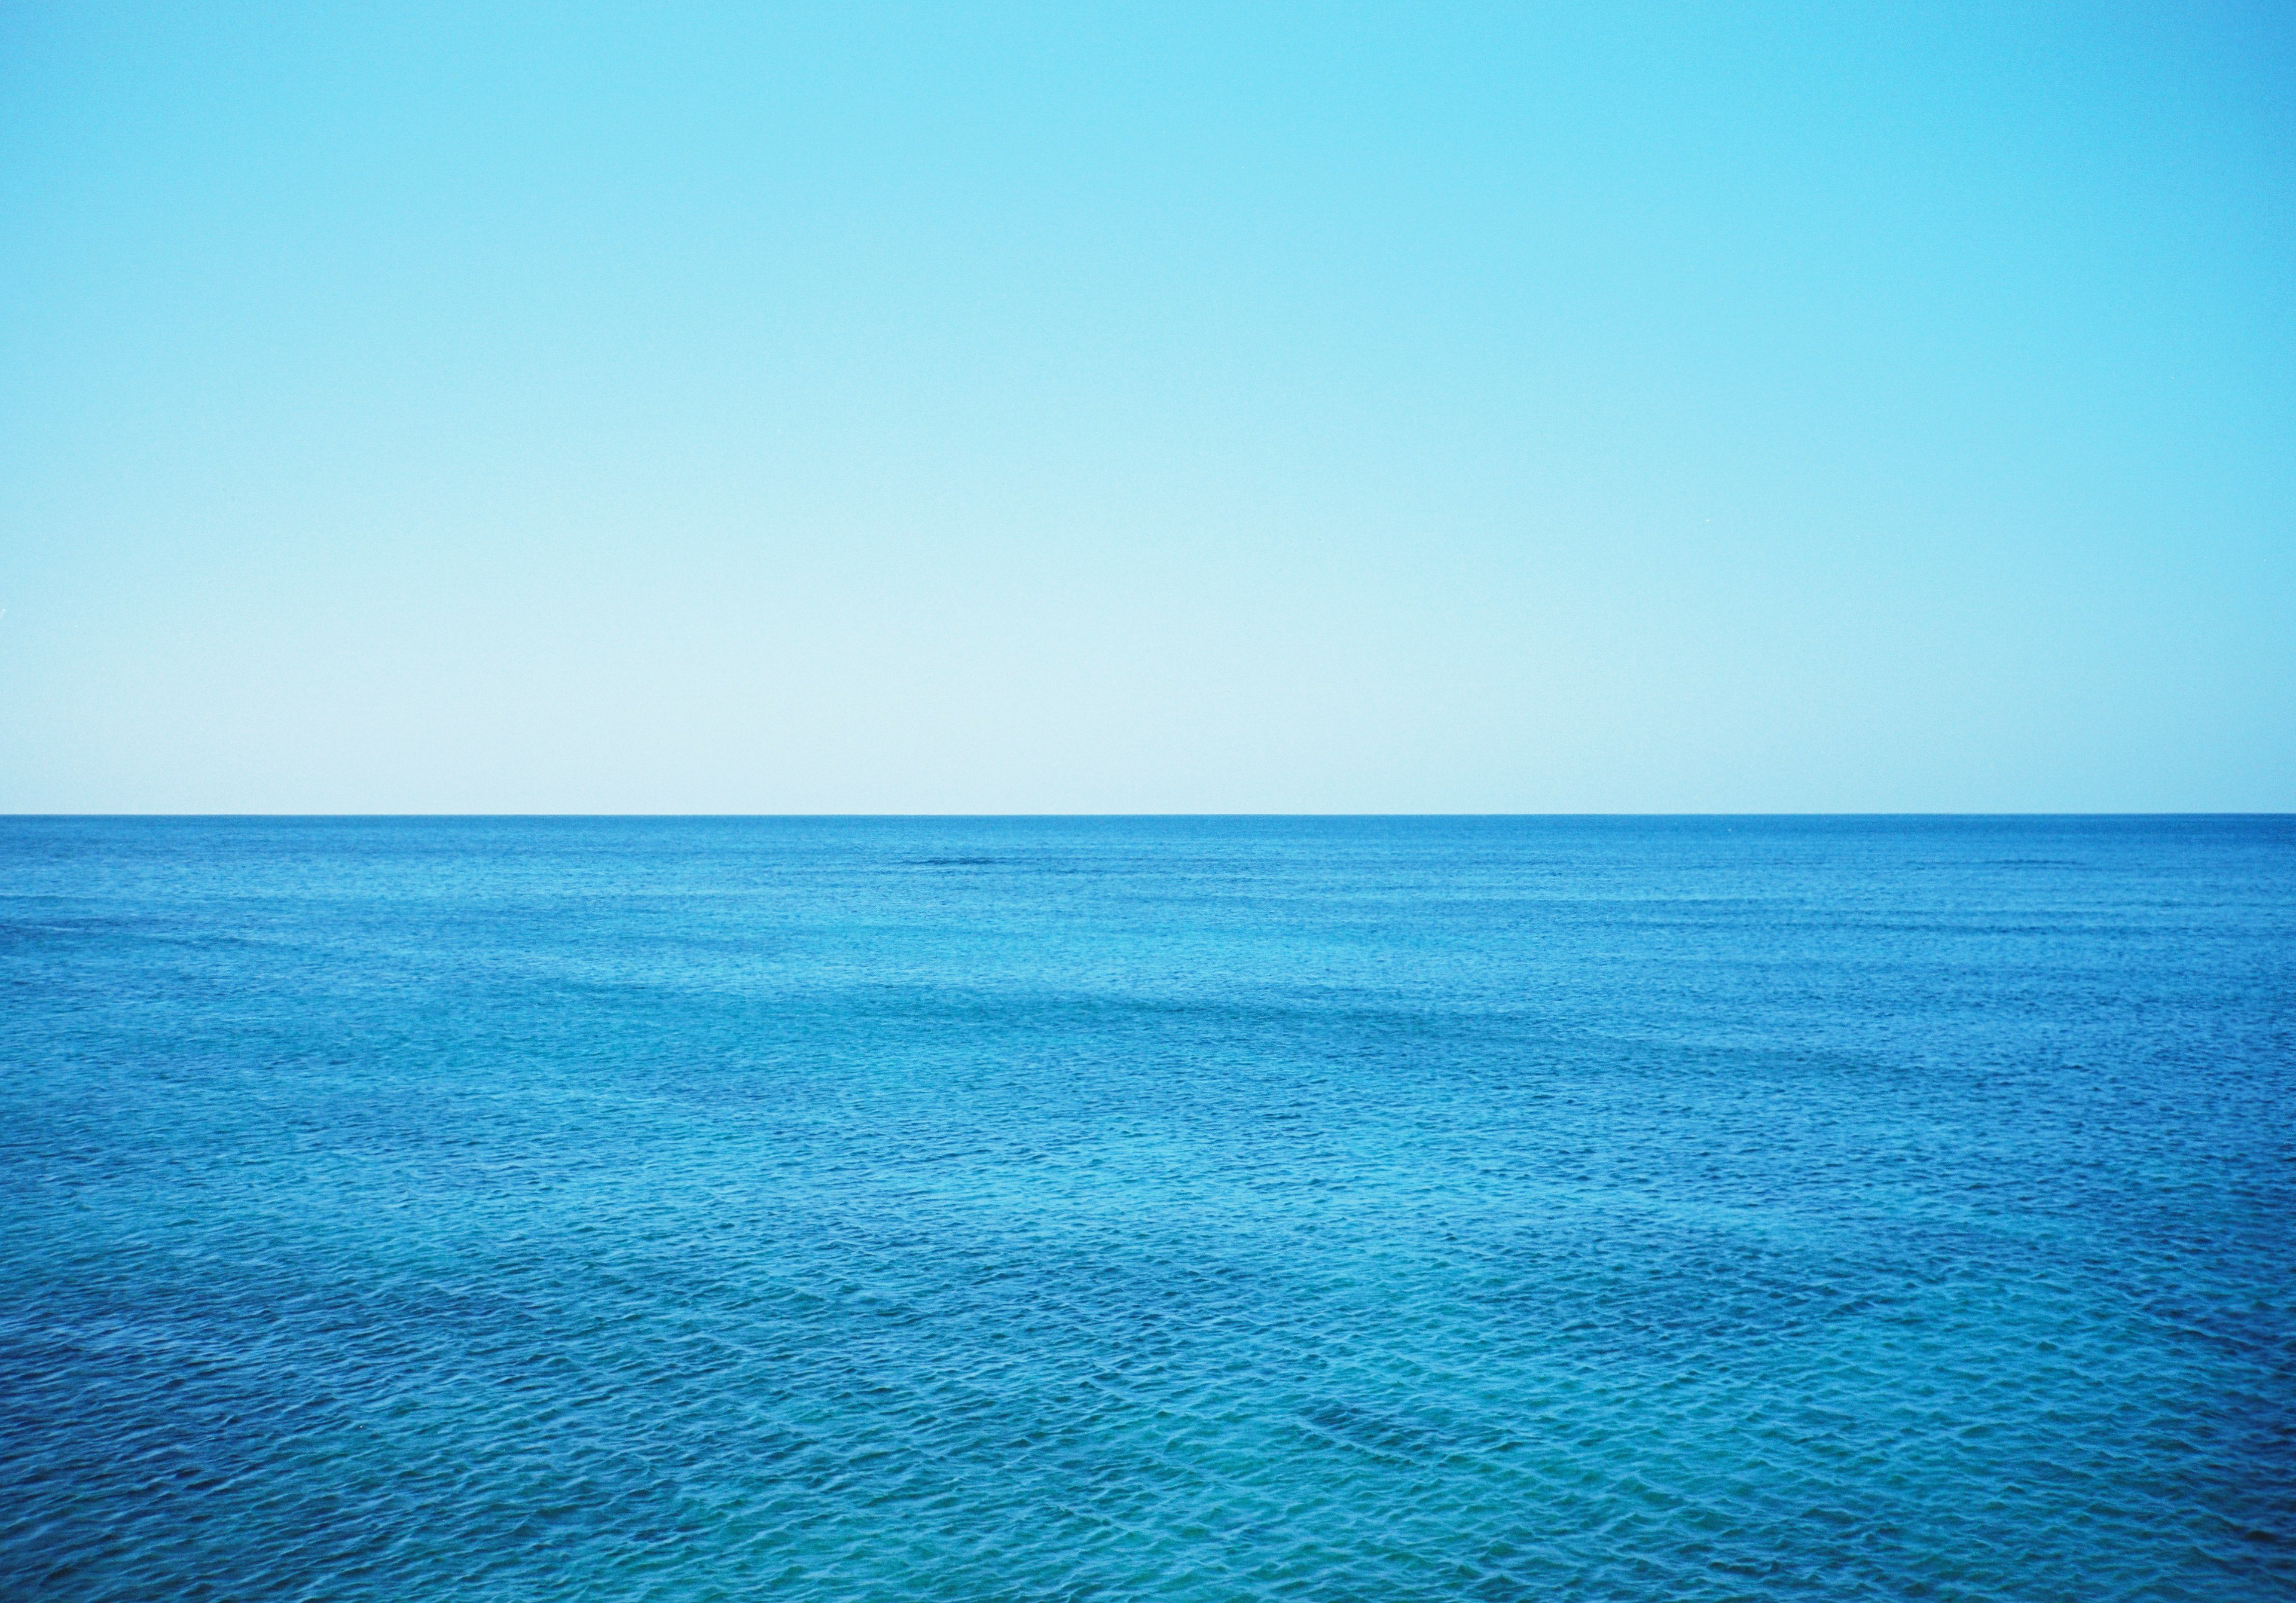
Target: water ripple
{"type": "Point", "coordinates": [1215, 1209]}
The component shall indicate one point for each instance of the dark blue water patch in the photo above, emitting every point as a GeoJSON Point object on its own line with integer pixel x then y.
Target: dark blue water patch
{"type": "Point", "coordinates": [1087, 1208]}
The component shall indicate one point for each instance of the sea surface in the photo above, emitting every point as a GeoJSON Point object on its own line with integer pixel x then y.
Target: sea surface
{"type": "Point", "coordinates": [1182, 1209]}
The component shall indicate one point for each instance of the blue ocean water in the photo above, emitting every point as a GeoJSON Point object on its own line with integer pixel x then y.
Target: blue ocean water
{"type": "Point", "coordinates": [1316, 1209]}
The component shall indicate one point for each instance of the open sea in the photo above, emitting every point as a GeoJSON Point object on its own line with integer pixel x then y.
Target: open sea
{"type": "Point", "coordinates": [1376, 1209]}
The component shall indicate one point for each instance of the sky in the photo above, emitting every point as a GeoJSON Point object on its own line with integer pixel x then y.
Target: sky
{"type": "Point", "coordinates": [888, 409]}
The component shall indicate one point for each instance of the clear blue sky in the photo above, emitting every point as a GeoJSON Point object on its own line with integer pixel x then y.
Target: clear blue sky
{"type": "Point", "coordinates": [1159, 409]}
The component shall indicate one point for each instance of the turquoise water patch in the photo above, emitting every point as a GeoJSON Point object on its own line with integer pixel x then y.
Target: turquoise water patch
{"type": "Point", "coordinates": [1186, 1208]}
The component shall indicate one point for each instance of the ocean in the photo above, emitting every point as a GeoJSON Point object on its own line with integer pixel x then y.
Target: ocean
{"type": "Point", "coordinates": [1125, 1208]}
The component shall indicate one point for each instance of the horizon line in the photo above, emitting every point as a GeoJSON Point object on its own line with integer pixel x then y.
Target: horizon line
{"type": "Point", "coordinates": [988, 816]}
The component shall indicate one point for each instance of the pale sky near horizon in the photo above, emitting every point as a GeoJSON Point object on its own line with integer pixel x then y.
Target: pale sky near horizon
{"type": "Point", "coordinates": [1224, 409]}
